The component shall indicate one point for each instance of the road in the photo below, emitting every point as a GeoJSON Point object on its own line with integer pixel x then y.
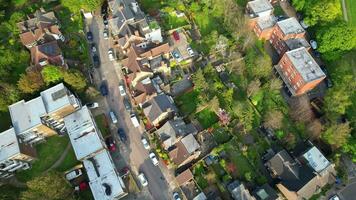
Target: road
{"type": "Point", "coordinates": [133, 151]}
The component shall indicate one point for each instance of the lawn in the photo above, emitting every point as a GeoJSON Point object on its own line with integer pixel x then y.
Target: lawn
{"type": "Point", "coordinates": [351, 11]}
{"type": "Point", "coordinates": [188, 102]}
{"type": "Point", "coordinates": [206, 118]}
{"type": "Point", "coordinates": [69, 161]}
{"type": "Point", "coordinates": [8, 192]}
{"type": "Point", "coordinates": [207, 23]}
{"type": "Point", "coordinates": [102, 123]}
{"type": "Point", "coordinates": [278, 10]}
{"type": "Point", "coordinates": [47, 154]}
{"type": "Point", "coordinates": [171, 21]}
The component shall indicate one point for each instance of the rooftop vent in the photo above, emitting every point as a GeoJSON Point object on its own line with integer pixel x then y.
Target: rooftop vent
{"type": "Point", "coordinates": [95, 165]}
{"type": "Point", "coordinates": [59, 94]}
{"type": "Point", "coordinates": [107, 188]}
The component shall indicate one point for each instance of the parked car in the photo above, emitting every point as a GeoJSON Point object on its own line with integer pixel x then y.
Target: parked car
{"type": "Point", "coordinates": [82, 186]}
{"type": "Point", "coordinates": [106, 34]}
{"type": "Point", "coordinates": [73, 174]}
{"type": "Point", "coordinates": [110, 143]}
{"type": "Point", "coordinates": [281, 17]}
{"type": "Point", "coordinates": [303, 24]}
{"type": "Point", "coordinates": [313, 44]}
{"type": "Point", "coordinates": [141, 177]}
{"type": "Point", "coordinates": [127, 104]}
{"type": "Point", "coordinates": [111, 54]}
{"type": "Point", "coordinates": [145, 143]}
{"type": "Point", "coordinates": [105, 20]}
{"type": "Point", "coordinates": [104, 89]}
{"type": "Point", "coordinates": [113, 117]}
{"type": "Point", "coordinates": [176, 35]}
{"type": "Point", "coordinates": [104, 9]}
{"type": "Point", "coordinates": [335, 197]}
{"type": "Point", "coordinates": [190, 51]}
{"type": "Point", "coordinates": [122, 135]}
{"type": "Point", "coordinates": [122, 90]}
{"type": "Point", "coordinates": [92, 105]}
{"type": "Point", "coordinates": [153, 159]}
{"type": "Point", "coordinates": [176, 196]}
{"type": "Point", "coordinates": [96, 61]}
{"type": "Point", "coordinates": [93, 48]}
{"type": "Point", "coordinates": [124, 172]}
{"type": "Point", "coordinates": [134, 120]}
{"type": "Point", "coordinates": [90, 36]}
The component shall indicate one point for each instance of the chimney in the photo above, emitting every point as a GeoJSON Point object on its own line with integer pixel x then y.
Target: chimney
{"type": "Point", "coordinates": [136, 33]}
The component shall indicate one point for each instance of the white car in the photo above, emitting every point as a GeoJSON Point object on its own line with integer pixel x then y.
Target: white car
{"type": "Point", "coordinates": [92, 105]}
{"type": "Point", "coordinates": [106, 34]}
{"type": "Point", "coordinates": [113, 117]}
{"type": "Point", "coordinates": [73, 174]}
{"type": "Point", "coordinates": [145, 143]}
{"type": "Point", "coordinates": [111, 55]}
{"type": "Point", "coordinates": [313, 44]}
{"type": "Point", "coordinates": [190, 51]}
{"type": "Point", "coordinates": [122, 90]}
{"type": "Point", "coordinates": [154, 159]}
{"type": "Point", "coordinates": [176, 196]}
{"type": "Point", "coordinates": [141, 177]}
{"type": "Point", "coordinates": [335, 197]}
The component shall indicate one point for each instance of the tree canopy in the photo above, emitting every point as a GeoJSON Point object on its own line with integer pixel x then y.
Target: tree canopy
{"type": "Point", "coordinates": [30, 82]}
{"type": "Point", "coordinates": [8, 95]}
{"type": "Point", "coordinates": [51, 74]}
{"type": "Point", "coordinates": [337, 134]}
{"type": "Point", "coordinates": [75, 79]}
{"type": "Point", "coordinates": [319, 11]}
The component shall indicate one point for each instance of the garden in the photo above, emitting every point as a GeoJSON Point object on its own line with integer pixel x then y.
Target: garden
{"type": "Point", "coordinates": [102, 123]}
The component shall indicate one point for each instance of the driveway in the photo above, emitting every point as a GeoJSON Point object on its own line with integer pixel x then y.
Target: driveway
{"type": "Point", "coordinates": [133, 151]}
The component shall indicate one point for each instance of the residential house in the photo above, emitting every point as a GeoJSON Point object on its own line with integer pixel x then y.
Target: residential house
{"type": "Point", "coordinates": [184, 177]}
{"type": "Point", "coordinates": [159, 109]}
{"type": "Point", "coordinates": [200, 196]}
{"type": "Point", "coordinates": [266, 192]}
{"type": "Point", "coordinates": [287, 35]}
{"type": "Point", "coordinates": [47, 53]}
{"type": "Point", "coordinates": [300, 180]}
{"type": "Point", "coordinates": [184, 151]}
{"type": "Point", "coordinates": [89, 147]}
{"type": "Point", "coordinates": [14, 156]}
{"type": "Point", "coordinates": [299, 71]}
{"type": "Point", "coordinates": [143, 91]}
{"type": "Point", "coordinates": [173, 131]}
{"type": "Point", "coordinates": [238, 191]}
{"type": "Point", "coordinates": [43, 116]}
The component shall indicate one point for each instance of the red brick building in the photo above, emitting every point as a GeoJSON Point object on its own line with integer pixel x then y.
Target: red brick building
{"type": "Point", "coordinates": [299, 71]}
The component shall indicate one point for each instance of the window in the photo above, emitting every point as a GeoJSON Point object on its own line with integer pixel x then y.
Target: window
{"type": "Point", "coordinates": [295, 88]}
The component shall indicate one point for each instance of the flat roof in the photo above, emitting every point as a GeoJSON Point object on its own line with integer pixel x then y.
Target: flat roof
{"type": "Point", "coordinates": [305, 64]}
{"type": "Point", "coordinates": [266, 22]}
{"type": "Point", "coordinates": [83, 133]}
{"type": "Point", "coordinates": [316, 159]}
{"type": "Point", "coordinates": [290, 26]}
{"type": "Point", "coordinates": [296, 43]}
{"type": "Point", "coordinates": [258, 6]}
{"type": "Point", "coordinates": [9, 145]}
{"type": "Point", "coordinates": [26, 115]}
{"type": "Point", "coordinates": [105, 182]}
{"type": "Point", "coordinates": [55, 97]}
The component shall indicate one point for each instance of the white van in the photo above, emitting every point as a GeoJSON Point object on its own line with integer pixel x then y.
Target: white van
{"type": "Point", "coordinates": [134, 120]}
{"type": "Point", "coordinates": [113, 117]}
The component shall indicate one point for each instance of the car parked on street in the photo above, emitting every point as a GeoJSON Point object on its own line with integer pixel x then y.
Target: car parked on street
{"type": "Point", "coordinates": [141, 177]}
{"type": "Point", "coordinates": [145, 143]}
{"type": "Point", "coordinates": [92, 105]}
{"type": "Point", "coordinates": [190, 51]}
{"type": "Point", "coordinates": [176, 196]}
{"type": "Point", "coordinates": [313, 44]}
{"type": "Point", "coordinates": [90, 36]}
{"type": "Point", "coordinates": [122, 90]}
{"type": "Point", "coordinates": [93, 48]}
{"type": "Point", "coordinates": [110, 143]}
{"type": "Point", "coordinates": [82, 186]}
{"type": "Point", "coordinates": [73, 174]}
{"type": "Point", "coordinates": [111, 54]}
{"type": "Point", "coordinates": [134, 120]}
{"type": "Point", "coordinates": [335, 197]}
{"type": "Point", "coordinates": [127, 104]}
{"type": "Point", "coordinates": [124, 172]}
{"type": "Point", "coordinates": [104, 89]}
{"type": "Point", "coordinates": [113, 117]}
{"type": "Point", "coordinates": [122, 135]}
{"type": "Point", "coordinates": [106, 34]}
{"type": "Point", "coordinates": [153, 159]}
{"type": "Point", "coordinates": [96, 61]}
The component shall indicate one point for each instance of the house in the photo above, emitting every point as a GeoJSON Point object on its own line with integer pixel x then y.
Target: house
{"type": "Point", "coordinates": [184, 151]}
{"type": "Point", "coordinates": [174, 130]}
{"type": "Point", "coordinates": [43, 116]}
{"type": "Point", "coordinates": [159, 108]}
{"type": "Point", "coordinates": [259, 9]}
{"type": "Point", "coordinates": [200, 196]}
{"type": "Point", "coordinates": [14, 156]}
{"type": "Point", "coordinates": [299, 71]}
{"type": "Point", "coordinates": [89, 147]}
{"type": "Point", "coordinates": [238, 191]}
{"type": "Point", "coordinates": [47, 53]}
{"type": "Point", "coordinates": [264, 27]}
{"type": "Point", "coordinates": [266, 192]}
{"type": "Point", "coordinates": [181, 87]}
{"type": "Point", "coordinates": [143, 91]}
{"type": "Point", "coordinates": [43, 27]}
{"type": "Point", "coordinates": [300, 180]}
{"type": "Point", "coordinates": [184, 177]}
{"type": "Point", "coordinates": [288, 30]}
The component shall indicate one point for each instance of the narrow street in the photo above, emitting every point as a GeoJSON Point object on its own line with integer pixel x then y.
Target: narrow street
{"type": "Point", "coordinates": [133, 151]}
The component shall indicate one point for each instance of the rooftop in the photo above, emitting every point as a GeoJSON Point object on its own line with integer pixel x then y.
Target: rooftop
{"type": "Point", "coordinates": [184, 177]}
{"type": "Point", "coordinates": [27, 115]}
{"type": "Point", "coordinates": [267, 22]}
{"type": "Point", "coordinates": [305, 64]}
{"type": "Point", "coordinates": [290, 26]}
{"type": "Point", "coordinates": [259, 6]}
{"type": "Point", "coordinates": [316, 159]}
{"type": "Point", "coordinates": [105, 182]}
{"type": "Point", "coordinates": [56, 97]}
{"type": "Point", "coordinates": [83, 134]}
{"type": "Point", "coordinates": [296, 43]}
{"type": "Point", "coordinates": [9, 145]}
{"type": "Point", "coordinates": [158, 105]}
{"type": "Point", "coordinates": [238, 191]}
{"type": "Point", "coordinates": [190, 143]}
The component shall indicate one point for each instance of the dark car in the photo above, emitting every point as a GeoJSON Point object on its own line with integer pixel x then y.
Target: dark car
{"type": "Point", "coordinates": [110, 143]}
{"type": "Point", "coordinates": [124, 172]}
{"type": "Point", "coordinates": [127, 104]}
{"type": "Point", "coordinates": [122, 135]}
{"type": "Point", "coordinates": [281, 17]}
{"type": "Point", "coordinates": [93, 48]}
{"type": "Point", "coordinates": [96, 61]}
{"type": "Point", "coordinates": [104, 89]}
{"type": "Point", "coordinates": [105, 20]}
{"type": "Point", "coordinates": [90, 36]}
{"type": "Point", "coordinates": [176, 35]}
{"type": "Point", "coordinates": [104, 8]}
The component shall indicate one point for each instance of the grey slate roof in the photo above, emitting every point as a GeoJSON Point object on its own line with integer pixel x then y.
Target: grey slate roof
{"type": "Point", "coordinates": [158, 105]}
{"type": "Point", "coordinates": [265, 192]}
{"type": "Point", "coordinates": [238, 191]}
{"type": "Point", "coordinates": [190, 143]}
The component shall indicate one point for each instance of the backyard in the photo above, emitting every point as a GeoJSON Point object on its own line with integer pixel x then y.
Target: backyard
{"type": "Point", "coordinates": [102, 123]}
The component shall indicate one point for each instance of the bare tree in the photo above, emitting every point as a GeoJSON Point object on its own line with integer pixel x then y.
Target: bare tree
{"type": "Point", "coordinates": [314, 129]}
{"type": "Point", "coordinates": [300, 109]}
{"type": "Point", "coordinates": [273, 119]}
{"type": "Point", "coordinates": [253, 87]}
{"type": "Point", "coordinates": [275, 84]}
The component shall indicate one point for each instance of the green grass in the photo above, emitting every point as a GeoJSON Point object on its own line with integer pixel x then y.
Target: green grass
{"type": "Point", "coordinates": [8, 192]}
{"type": "Point", "coordinates": [278, 10]}
{"type": "Point", "coordinates": [206, 118]}
{"type": "Point", "coordinates": [47, 154]}
{"type": "Point", "coordinates": [206, 23]}
{"type": "Point", "coordinates": [69, 161]}
{"type": "Point", "coordinates": [102, 123]}
{"type": "Point", "coordinates": [188, 102]}
{"type": "Point", "coordinates": [351, 11]}
{"type": "Point", "coordinates": [171, 21]}
{"type": "Point", "coordinates": [85, 195]}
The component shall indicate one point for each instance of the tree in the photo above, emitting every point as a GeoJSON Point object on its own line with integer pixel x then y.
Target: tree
{"type": "Point", "coordinates": [321, 11]}
{"type": "Point", "coordinates": [52, 74]}
{"type": "Point", "coordinates": [314, 129]}
{"type": "Point", "coordinates": [253, 87]}
{"type": "Point", "coordinates": [335, 39]}
{"type": "Point", "coordinates": [200, 82]}
{"type": "Point", "coordinates": [273, 119]}
{"type": "Point", "coordinates": [51, 186]}
{"type": "Point", "coordinates": [336, 100]}
{"type": "Point", "coordinates": [87, 5]}
{"type": "Point", "coordinates": [8, 95]}
{"type": "Point", "coordinates": [245, 115]}
{"type": "Point", "coordinates": [75, 79]}
{"type": "Point", "coordinates": [337, 134]}
{"type": "Point", "coordinates": [275, 84]}
{"type": "Point", "coordinates": [263, 66]}
{"type": "Point", "coordinates": [228, 97]}
{"type": "Point", "coordinates": [298, 4]}
{"type": "Point", "coordinates": [214, 104]}
{"type": "Point", "coordinates": [30, 82]}
{"type": "Point", "coordinates": [300, 109]}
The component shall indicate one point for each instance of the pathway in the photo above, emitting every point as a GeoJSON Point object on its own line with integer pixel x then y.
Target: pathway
{"type": "Point", "coordinates": [60, 160]}
{"type": "Point", "coordinates": [343, 4]}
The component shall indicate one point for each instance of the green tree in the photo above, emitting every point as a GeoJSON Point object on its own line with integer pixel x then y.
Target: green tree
{"type": "Point", "coordinates": [51, 186]}
{"type": "Point", "coordinates": [76, 6]}
{"type": "Point", "coordinates": [336, 100]}
{"type": "Point", "coordinates": [228, 98]}
{"type": "Point", "coordinates": [335, 39]}
{"type": "Point", "coordinates": [200, 82]}
{"type": "Point", "coordinates": [299, 4]}
{"type": "Point", "coordinates": [321, 11]}
{"type": "Point", "coordinates": [337, 134]}
{"type": "Point", "coordinates": [273, 119]}
{"type": "Point", "coordinates": [350, 148]}
{"type": "Point", "coordinates": [263, 66]}
{"type": "Point", "coordinates": [245, 115]}
{"type": "Point", "coordinates": [253, 87]}
{"type": "Point", "coordinates": [8, 95]}
{"type": "Point", "coordinates": [52, 74]}
{"type": "Point", "coordinates": [75, 79]}
{"type": "Point", "coordinates": [30, 82]}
